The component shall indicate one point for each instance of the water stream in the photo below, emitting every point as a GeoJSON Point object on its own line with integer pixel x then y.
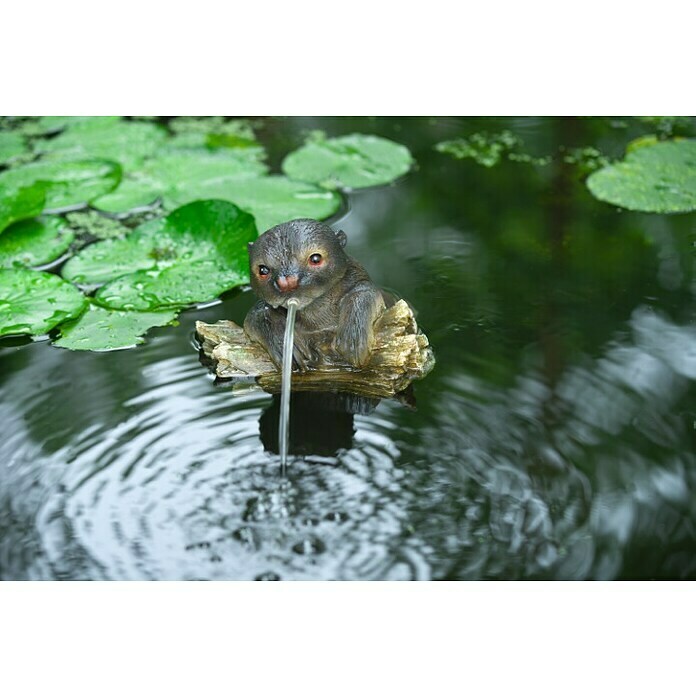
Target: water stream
{"type": "Point", "coordinates": [288, 342]}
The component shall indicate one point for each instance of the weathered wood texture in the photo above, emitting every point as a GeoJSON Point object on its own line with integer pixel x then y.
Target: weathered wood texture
{"type": "Point", "coordinates": [401, 354]}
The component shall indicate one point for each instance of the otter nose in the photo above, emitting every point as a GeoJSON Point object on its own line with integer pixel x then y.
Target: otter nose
{"type": "Point", "coordinates": [286, 283]}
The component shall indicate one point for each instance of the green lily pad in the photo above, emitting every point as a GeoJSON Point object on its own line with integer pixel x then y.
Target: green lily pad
{"type": "Point", "coordinates": [21, 203]}
{"type": "Point", "coordinates": [67, 184]}
{"type": "Point", "coordinates": [350, 161]}
{"type": "Point", "coordinates": [176, 286]}
{"type": "Point", "coordinates": [270, 199]}
{"type": "Point", "coordinates": [102, 329]}
{"type": "Point", "coordinates": [657, 178]}
{"type": "Point", "coordinates": [34, 242]}
{"type": "Point", "coordinates": [32, 302]}
{"type": "Point", "coordinates": [213, 132]}
{"type": "Point", "coordinates": [11, 146]}
{"type": "Point", "coordinates": [52, 124]}
{"type": "Point", "coordinates": [177, 172]}
{"type": "Point", "coordinates": [128, 143]}
{"type": "Point", "coordinates": [192, 255]}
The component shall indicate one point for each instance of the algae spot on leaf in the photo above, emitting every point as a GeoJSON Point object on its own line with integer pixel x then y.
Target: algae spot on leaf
{"type": "Point", "coordinates": [658, 178]}
{"type": "Point", "coordinates": [192, 255]}
{"type": "Point", "coordinates": [348, 162]}
{"type": "Point", "coordinates": [34, 242]}
{"type": "Point", "coordinates": [67, 184]}
{"type": "Point", "coordinates": [20, 203]}
{"type": "Point", "coordinates": [100, 329]}
{"type": "Point", "coordinates": [32, 302]}
{"type": "Point", "coordinates": [97, 225]}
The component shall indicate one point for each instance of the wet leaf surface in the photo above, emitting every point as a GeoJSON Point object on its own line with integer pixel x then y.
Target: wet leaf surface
{"type": "Point", "coordinates": [192, 255]}
{"type": "Point", "coordinates": [67, 184]}
{"type": "Point", "coordinates": [33, 303]}
{"type": "Point", "coordinates": [270, 199]}
{"type": "Point", "coordinates": [20, 203]}
{"type": "Point", "coordinates": [659, 178]}
{"type": "Point", "coordinates": [350, 161]}
{"type": "Point", "coordinates": [100, 329]}
{"type": "Point", "coordinates": [128, 143]}
{"type": "Point", "coordinates": [34, 242]}
{"type": "Point", "coordinates": [174, 175]}
{"type": "Point", "coordinates": [12, 145]}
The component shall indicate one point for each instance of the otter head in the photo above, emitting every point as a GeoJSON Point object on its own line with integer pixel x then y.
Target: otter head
{"type": "Point", "coordinates": [300, 259]}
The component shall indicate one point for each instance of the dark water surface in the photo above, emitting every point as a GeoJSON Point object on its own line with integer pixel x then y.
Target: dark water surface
{"type": "Point", "coordinates": [556, 437]}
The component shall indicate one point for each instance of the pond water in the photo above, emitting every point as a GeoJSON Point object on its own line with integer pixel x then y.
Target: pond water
{"type": "Point", "coordinates": [555, 438]}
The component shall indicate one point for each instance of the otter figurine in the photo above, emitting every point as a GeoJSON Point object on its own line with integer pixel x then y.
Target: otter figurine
{"type": "Point", "coordinates": [337, 302]}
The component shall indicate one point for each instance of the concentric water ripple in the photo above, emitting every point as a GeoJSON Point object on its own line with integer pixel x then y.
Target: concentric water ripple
{"type": "Point", "coordinates": [179, 485]}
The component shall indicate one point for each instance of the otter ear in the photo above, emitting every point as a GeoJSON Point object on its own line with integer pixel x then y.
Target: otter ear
{"type": "Point", "coordinates": [341, 236]}
{"type": "Point", "coordinates": [249, 245]}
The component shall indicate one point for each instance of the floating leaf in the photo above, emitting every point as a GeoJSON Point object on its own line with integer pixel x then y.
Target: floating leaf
{"type": "Point", "coordinates": [34, 242]}
{"type": "Point", "coordinates": [192, 255]}
{"type": "Point", "coordinates": [128, 143]}
{"type": "Point", "coordinates": [67, 184]}
{"type": "Point", "coordinates": [659, 178]}
{"type": "Point", "coordinates": [97, 225]}
{"type": "Point", "coordinates": [177, 172]}
{"type": "Point", "coordinates": [350, 161]}
{"type": "Point", "coordinates": [101, 329]}
{"type": "Point", "coordinates": [32, 302]}
{"type": "Point", "coordinates": [270, 199]}
{"type": "Point", "coordinates": [12, 145]}
{"type": "Point", "coordinates": [53, 124]}
{"type": "Point", "coordinates": [175, 286]}
{"type": "Point", "coordinates": [21, 203]}
{"type": "Point", "coordinates": [135, 192]}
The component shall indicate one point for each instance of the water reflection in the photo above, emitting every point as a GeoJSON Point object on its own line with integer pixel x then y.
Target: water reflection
{"type": "Point", "coordinates": [590, 479]}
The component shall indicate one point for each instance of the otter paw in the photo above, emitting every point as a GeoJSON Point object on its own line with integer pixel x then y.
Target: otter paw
{"type": "Point", "coordinates": [353, 346]}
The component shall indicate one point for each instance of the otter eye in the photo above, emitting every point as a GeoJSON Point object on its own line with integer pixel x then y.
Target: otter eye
{"type": "Point", "coordinates": [264, 270]}
{"type": "Point", "coordinates": [315, 260]}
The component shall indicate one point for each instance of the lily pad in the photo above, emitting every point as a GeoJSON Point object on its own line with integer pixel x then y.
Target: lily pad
{"type": "Point", "coordinates": [175, 173]}
{"type": "Point", "coordinates": [34, 242]}
{"type": "Point", "coordinates": [659, 178]}
{"type": "Point", "coordinates": [33, 303]}
{"type": "Point", "coordinates": [175, 286]}
{"type": "Point", "coordinates": [213, 132]}
{"type": "Point", "coordinates": [192, 255]}
{"type": "Point", "coordinates": [53, 124]}
{"type": "Point", "coordinates": [270, 199]}
{"type": "Point", "coordinates": [20, 203]}
{"type": "Point", "coordinates": [128, 143]}
{"type": "Point", "coordinates": [12, 145]}
{"type": "Point", "coordinates": [102, 329]}
{"type": "Point", "coordinates": [67, 184]}
{"type": "Point", "coordinates": [349, 162]}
